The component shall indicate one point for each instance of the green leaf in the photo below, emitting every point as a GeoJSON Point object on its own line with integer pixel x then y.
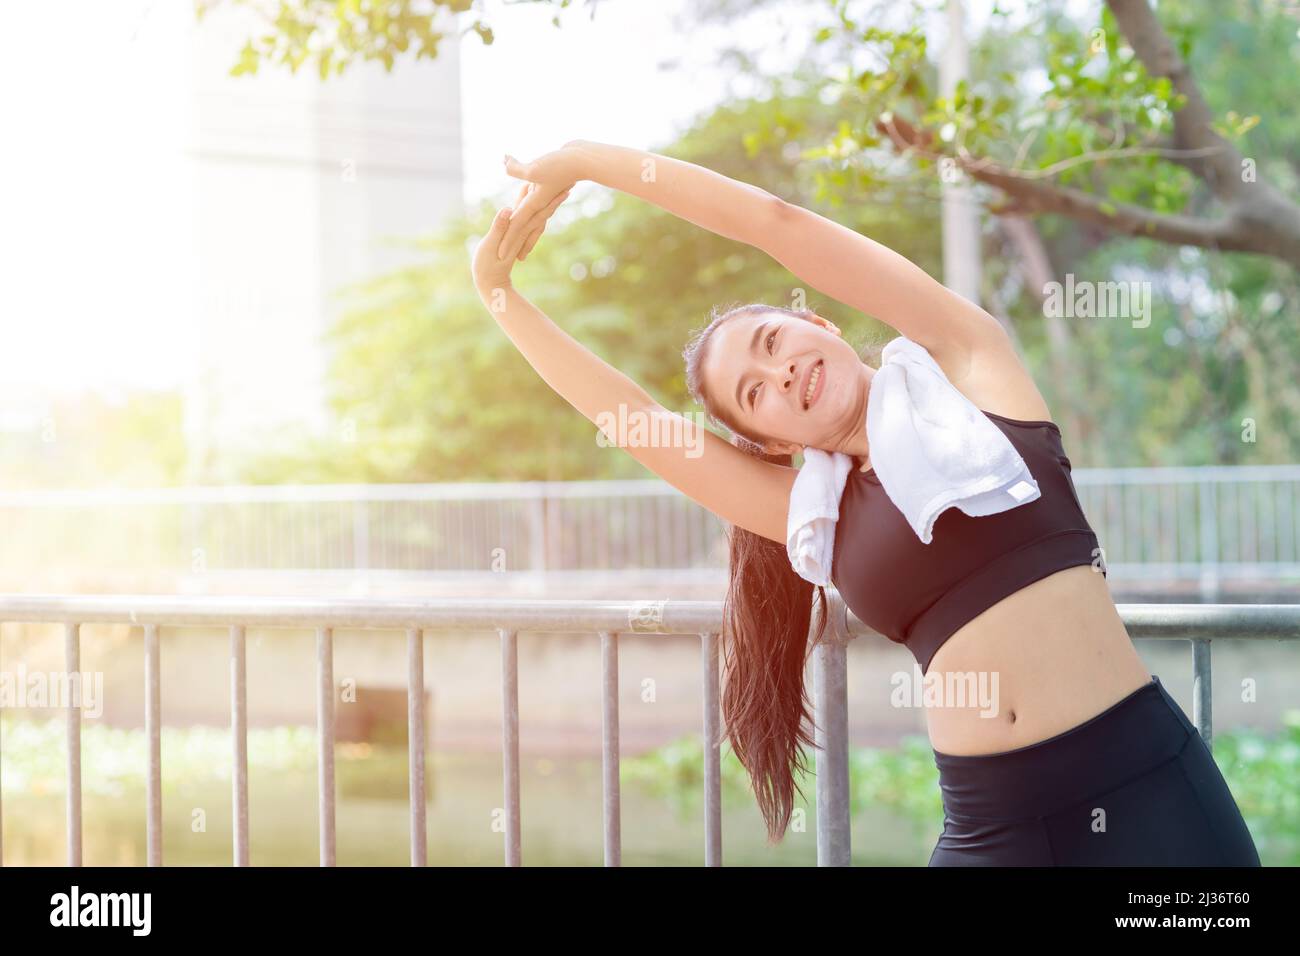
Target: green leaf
{"type": "Point", "coordinates": [248, 60]}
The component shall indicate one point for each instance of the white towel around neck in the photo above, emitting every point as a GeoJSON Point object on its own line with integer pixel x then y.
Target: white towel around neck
{"type": "Point", "coordinates": [931, 448]}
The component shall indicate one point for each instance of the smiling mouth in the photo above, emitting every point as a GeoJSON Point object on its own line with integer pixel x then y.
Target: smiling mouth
{"type": "Point", "coordinates": [816, 382]}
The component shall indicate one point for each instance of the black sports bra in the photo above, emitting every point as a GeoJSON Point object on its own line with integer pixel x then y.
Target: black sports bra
{"type": "Point", "coordinates": [919, 594]}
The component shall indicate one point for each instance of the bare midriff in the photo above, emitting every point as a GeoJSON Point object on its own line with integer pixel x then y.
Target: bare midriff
{"type": "Point", "coordinates": [1053, 654]}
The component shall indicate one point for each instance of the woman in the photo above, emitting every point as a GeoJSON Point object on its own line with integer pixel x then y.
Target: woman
{"type": "Point", "coordinates": [1088, 759]}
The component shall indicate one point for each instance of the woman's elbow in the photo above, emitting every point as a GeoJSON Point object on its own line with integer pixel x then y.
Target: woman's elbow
{"type": "Point", "coordinates": [778, 207]}
{"type": "Point", "coordinates": [765, 219]}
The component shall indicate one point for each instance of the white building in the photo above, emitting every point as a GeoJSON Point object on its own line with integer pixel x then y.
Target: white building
{"type": "Point", "coordinates": [300, 186]}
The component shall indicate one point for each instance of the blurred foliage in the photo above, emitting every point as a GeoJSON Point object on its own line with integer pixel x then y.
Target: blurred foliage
{"type": "Point", "coordinates": [1056, 91]}
{"type": "Point", "coordinates": [1072, 104]}
{"type": "Point", "coordinates": [331, 35]}
{"type": "Point", "coordinates": [113, 758]}
{"type": "Point", "coordinates": [1262, 771]}
{"type": "Point", "coordinates": [426, 387]}
{"type": "Point", "coordinates": [1220, 352]}
{"type": "Point", "coordinates": [132, 439]}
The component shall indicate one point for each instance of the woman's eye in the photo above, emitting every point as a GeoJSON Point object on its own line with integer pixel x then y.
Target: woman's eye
{"type": "Point", "coordinates": [770, 337]}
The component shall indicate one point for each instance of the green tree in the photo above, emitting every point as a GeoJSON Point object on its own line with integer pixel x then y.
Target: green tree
{"type": "Point", "coordinates": [1121, 137]}
{"type": "Point", "coordinates": [632, 281]}
{"type": "Point", "coordinates": [426, 387]}
{"type": "Point", "coordinates": [131, 440]}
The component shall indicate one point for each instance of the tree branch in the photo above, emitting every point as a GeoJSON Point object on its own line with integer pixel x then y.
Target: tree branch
{"type": "Point", "coordinates": [1257, 218]}
{"type": "Point", "coordinates": [1220, 163]}
{"type": "Point", "coordinates": [1029, 196]}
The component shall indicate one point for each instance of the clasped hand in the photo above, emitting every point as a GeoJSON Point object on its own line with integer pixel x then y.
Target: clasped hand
{"type": "Point", "coordinates": [515, 230]}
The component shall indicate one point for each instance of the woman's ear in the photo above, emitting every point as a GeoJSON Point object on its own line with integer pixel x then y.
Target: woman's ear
{"type": "Point", "coordinates": [828, 325]}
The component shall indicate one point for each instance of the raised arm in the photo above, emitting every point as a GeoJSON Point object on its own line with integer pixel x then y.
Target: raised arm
{"type": "Point", "coordinates": [739, 488]}
{"type": "Point", "coordinates": [829, 257]}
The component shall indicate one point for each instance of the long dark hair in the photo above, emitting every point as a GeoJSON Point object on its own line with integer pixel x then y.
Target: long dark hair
{"type": "Point", "coordinates": [767, 616]}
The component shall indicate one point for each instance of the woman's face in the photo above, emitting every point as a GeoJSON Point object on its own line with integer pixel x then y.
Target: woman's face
{"type": "Point", "coordinates": [763, 369]}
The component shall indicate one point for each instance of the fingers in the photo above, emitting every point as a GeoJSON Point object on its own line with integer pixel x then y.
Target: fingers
{"type": "Point", "coordinates": [535, 204]}
{"type": "Point", "coordinates": [513, 228]}
{"type": "Point", "coordinates": [531, 241]}
{"type": "Point", "coordinates": [544, 216]}
{"type": "Point", "coordinates": [511, 246]}
{"type": "Point", "coordinates": [497, 231]}
{"type": "Point", "coordinates": [517, 169]}
{"type": "Point", "coordinates": [522, 218]}
{"type": "Point", "coordinates": [499, 223]}
{"type": "Point", "coordinates": [554, 204]}
{"type": "Point", "coordinates": [483, 263]}
{"type": "Point", "coordinates": [518, 209]}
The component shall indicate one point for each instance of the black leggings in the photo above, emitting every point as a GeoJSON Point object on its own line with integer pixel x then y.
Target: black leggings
{"type": "Point", "coordinates": [1133, 786]}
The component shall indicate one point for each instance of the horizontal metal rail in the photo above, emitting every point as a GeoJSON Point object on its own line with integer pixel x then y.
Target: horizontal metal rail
{"type": "Point", "coordinates": [1198, 623]}
{"type": "Point", "coordinates": [496, 490]}
{"type": "Point", "coordinates": [1199, 525]}
{"type": "Point", "coordinates": [1156, 621]}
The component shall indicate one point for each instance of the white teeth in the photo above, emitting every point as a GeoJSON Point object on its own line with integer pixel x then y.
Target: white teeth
{"type": "Point", "coordinates": [812, 385]}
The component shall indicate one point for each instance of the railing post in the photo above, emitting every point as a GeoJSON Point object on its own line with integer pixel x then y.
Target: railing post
{"type": "Point", "coordinates": [537, 532]}
{"type": "Point", "coordinates": [325, 735]}
{"type": "Point", "coordinates": [360, 535]}
{"type": "Point", "coordinates": [239, 744]}
{"type": "Point", "coordinates": [1209, 510]}
{"type": "Point", "coordinates": [1202, 707]}
{"type": "Point", "coordinates": [554, 534]}
{"type": "Point", "coordinates": [153, 730]}
{"type": "Point", "coordinates": [712, 762]}
{"type": "Point", "coordinates": [72, 668]}
{"type": "Point", "coordinates": [416, 743]}
{"type": "Point", "coordinates": [2, 749]}
{"type": "Point", "coordinates": [510, 740]}
{"type": "Point", "coordinates": [831, 709]}
{"type": "Point", "coordinates": [610, 748]}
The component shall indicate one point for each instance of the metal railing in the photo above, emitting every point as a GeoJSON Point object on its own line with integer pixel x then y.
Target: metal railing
{"type": "Point", "coordinates": [1198, 623]}
{"type": "Point", "coordinates": [1206, 523]}
{"type": "Point", "coordinates": [1200, 524]}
